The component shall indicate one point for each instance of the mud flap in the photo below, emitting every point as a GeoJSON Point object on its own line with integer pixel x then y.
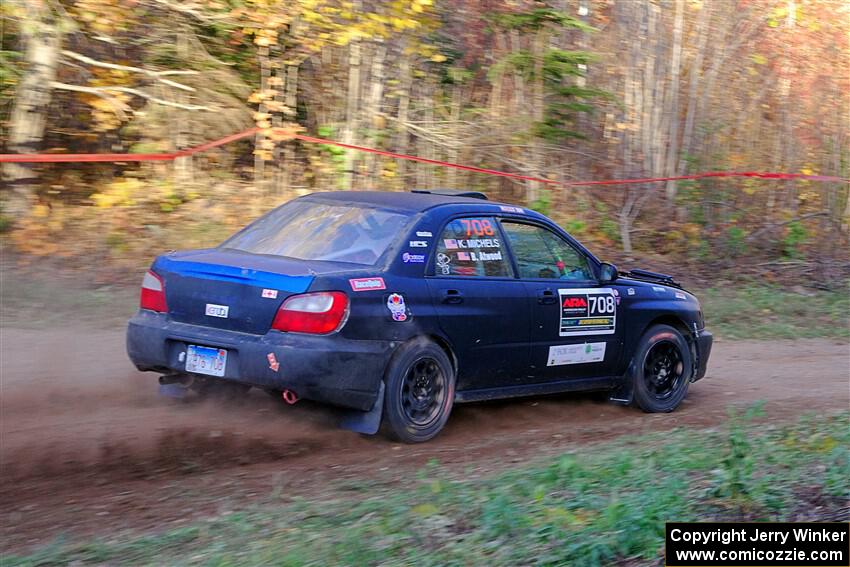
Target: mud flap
{"type": "Point", "coordinates": [175, 391]}
{"type": "Point", "coordinates": [624, 393]}
{"type": "Point", "coordinates": [367, 422]}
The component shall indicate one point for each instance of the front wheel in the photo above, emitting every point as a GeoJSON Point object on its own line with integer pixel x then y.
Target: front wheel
{"type": "Point", "coordinates": [661, 370]}
{"type": "Point", "coordinates": [420, 388]}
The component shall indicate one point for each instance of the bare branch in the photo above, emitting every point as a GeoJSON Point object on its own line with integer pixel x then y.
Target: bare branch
{"type": "Point", "coordinates": [158, 75]}
{"type": "Point", "coordinates": [181, 7]}
{"type": "Point", "coordinates": [103, 93]}
{"type": "Point", "coordinates": [117, 105]}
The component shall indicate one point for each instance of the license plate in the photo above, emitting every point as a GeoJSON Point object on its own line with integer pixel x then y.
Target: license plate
{"type": "Point", "coordinates": [206, 360]}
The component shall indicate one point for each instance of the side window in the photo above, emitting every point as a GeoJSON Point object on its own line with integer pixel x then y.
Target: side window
{"type": "Point", "coordinates": [471, 247]}
{"type": "Point", "coordinates": [542, 254]}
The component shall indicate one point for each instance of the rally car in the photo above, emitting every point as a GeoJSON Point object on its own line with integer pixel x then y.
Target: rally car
{"type": "Point", "coordinates": [398, 305]}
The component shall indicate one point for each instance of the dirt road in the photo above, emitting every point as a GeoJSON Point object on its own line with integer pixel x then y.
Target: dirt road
{"type": "Point", "coordinates": [88, 447]}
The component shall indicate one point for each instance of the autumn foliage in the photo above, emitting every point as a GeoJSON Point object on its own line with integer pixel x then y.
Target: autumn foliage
{"type": "Point", "coordinates": [577, 89]}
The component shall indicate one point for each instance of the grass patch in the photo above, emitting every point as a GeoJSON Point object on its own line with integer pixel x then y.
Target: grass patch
{"type": "Point", "coordinates": [37, 302]}
{"type": "Point", "coordinates": [599, 505]}
{"type": "Point", "coordinates": [773, 312]}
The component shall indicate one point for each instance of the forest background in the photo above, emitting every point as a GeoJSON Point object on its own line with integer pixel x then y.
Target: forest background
{"type": "Point", "coordinates": [567, 90]}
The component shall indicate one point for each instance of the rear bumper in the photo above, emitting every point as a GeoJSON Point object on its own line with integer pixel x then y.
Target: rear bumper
{"type": "Point", "coordinates": [326, 369]}
{"type": "Point", "coordinates": [704, 341]}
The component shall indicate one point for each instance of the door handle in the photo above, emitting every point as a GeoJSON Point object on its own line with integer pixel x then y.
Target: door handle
{"type": "Point", "coordinates": [547, 297]}
{"type": "Point", "coordinates": [452, 296]}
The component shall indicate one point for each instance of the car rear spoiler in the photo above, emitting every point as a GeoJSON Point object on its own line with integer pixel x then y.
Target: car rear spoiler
{"type": "Point", "coordinates": [646, 275]}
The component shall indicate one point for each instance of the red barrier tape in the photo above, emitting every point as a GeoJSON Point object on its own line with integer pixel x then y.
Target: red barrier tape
{"type": "Point", "coordinates": [65, 158]}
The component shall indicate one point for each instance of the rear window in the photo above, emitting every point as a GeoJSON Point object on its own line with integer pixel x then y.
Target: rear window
{"type": "Point", "coordinates": [311, 230]}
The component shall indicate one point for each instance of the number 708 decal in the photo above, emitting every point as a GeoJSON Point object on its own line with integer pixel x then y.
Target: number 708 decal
{"type": "Point", "coordinates": [587, 312]}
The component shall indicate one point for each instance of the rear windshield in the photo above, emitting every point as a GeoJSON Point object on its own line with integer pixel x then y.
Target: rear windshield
{"type": "Point", "coordinates": [312, 230]}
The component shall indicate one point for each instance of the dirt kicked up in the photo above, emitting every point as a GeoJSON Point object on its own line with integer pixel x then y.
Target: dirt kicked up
{"type": "Point", "coordinates": [89, 448]}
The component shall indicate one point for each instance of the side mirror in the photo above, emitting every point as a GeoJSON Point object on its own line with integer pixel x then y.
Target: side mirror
{"type": "Point", "coordinates": [608, 272]}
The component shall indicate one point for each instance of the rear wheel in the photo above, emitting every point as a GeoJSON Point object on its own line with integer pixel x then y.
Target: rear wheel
{"type": "Point", "coordinates": [662, 369]}
{"type": "Point", "coordinates": [420, 387]}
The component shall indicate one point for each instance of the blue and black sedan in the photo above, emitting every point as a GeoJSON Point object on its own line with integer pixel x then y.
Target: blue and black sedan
{"type": "Point", "coordinates": [395, 306]}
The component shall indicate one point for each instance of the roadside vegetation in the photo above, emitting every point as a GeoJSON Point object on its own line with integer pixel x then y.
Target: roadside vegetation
{"type": "Point", "coordinates": [599, 505]}
{"type": "Point", "coordinates": [733, 310]}
{"type": "Point", "coordinates": [759, 311]}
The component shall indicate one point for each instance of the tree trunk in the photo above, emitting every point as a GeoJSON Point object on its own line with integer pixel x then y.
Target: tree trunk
{"type": "Point", "coordinates": [672, 108]}
{"type": "Point", "coordinates": [40, 32]}
{"type": "Point", "coordinates": [259, 138]}
{"type": "Point", "coordinates": [351, 111]}
{"type": "Point", "coordinates": [406, 79]}
{"type": "Point", "coordinates": [376, 95]}
{"type": "Point", "coordinates": [693, 88]}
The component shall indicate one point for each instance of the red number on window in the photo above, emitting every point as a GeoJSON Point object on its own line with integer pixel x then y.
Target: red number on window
{"type": "Point", "coordinates": [479, 227]}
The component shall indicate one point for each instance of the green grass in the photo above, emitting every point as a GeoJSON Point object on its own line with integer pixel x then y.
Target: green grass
{"type": "Point", "coordinates": [755, 311]}
{"type": "Point", "coordinates": [38, 302]}
{"type": "Point", "coordinates": [599, 505]}
{"type": "Point", "coordinates": [758, 311]}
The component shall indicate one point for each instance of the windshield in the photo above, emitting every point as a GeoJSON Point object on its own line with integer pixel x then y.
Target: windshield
{"type": "Point", "coordinates": [312, 230]}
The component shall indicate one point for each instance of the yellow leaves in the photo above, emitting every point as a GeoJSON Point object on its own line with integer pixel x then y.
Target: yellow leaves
{"type": "Point", "coordinates": [120, 193]}
{"type": "Point", "coordinates": [425, 510]}
{"type": "Point", "coordinates": [438, 58]}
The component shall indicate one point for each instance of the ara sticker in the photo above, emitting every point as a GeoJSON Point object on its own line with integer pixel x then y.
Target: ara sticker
{"type": "Point", "coordinates": [590, 311]}
{"type": "Point", "coordinates": [630, 291]}
{"type": "Point", "coordinates": [423, 234]}
{"type": "Point", "coordinates": [395, 303]}
{"type": "Point", "coordinates": [273, 363]}
{"type": "Point", "coordinates": [409, 258]}
{"type": "Point", "coordinates": [270, 293]}
{"type": "Point", "coordinates": [367, 284]}
{"type": "Point", "coordinates": [511, 209]}
{"type": "Point", "coordinates": [418, 244]}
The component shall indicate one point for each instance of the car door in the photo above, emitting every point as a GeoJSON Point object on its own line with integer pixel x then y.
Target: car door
{"type": "Point", "coordinates": [574, 323]}
{"type": "Point", "coordinates": [481, 306]}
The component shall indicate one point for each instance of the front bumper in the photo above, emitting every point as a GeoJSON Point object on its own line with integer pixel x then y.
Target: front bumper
{"type": "Point", "coordinates": [327, 369]}
{"type": "Point", "coordinates": [704, 340]}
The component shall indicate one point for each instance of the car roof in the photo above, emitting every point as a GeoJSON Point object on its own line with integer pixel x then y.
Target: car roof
{"type": "Point", "coordinates": [413, 202]}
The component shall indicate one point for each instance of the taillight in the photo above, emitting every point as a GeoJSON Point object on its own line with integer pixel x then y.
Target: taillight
{"type": "Point", "coordinates": [153, 293]}
{"type": "Point", "coordinates": [315, 313]}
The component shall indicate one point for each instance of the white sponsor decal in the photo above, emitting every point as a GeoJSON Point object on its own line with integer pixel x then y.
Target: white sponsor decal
{"type": "Point", "coordinates": [630, 291]}
{"type": "Point", "coordinates": [423, 234]}
{"type": "Point", "coordinates": [367, 284]}
{"type": "Point", "coordinates": [488, 256]}
{"type": "Point", "coordinates": [591, 311]}
{"type": "Point", "coordinates": [659, 289]}
{"type": "Point", "coordinates": [576, 354]}
{"type": "Point", "coordinates": [418, 244]}
{"type": "Point", "coordinates": [479, 243]}
{"type": "Point", "coordinates": [511, 209]}
{"type": "Point", "coordinates": [680, 295]}
{"type": "Point", "coordinates": [214, 310]}
{"type": "Point", "coordinates": [270, 293]}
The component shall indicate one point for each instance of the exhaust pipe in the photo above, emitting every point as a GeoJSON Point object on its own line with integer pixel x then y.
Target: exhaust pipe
{"type": "Point", "coordinates": [290, 397]}
{"type": "Point", "coordinates": [184, 380]}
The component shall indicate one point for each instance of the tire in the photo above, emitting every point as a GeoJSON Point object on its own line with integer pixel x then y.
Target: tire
{"type": "Point", "coordinates": [661, 370]}
{"type": "Point", "coordinates": [420, 388]}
